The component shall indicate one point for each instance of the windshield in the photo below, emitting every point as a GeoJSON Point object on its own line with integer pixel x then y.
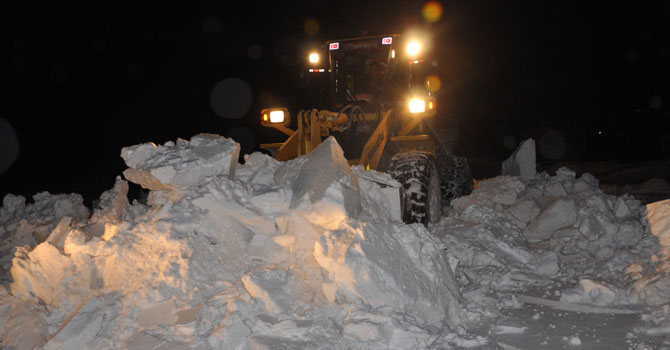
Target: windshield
{"type": "Point", "coordinates": [358, 69]}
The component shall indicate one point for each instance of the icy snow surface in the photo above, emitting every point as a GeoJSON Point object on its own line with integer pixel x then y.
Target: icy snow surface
{"type": "Point", "coordinates": [311, 254]}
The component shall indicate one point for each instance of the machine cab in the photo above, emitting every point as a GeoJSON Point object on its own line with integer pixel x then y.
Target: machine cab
{"type": "Point", "coordinates": [371, 71]}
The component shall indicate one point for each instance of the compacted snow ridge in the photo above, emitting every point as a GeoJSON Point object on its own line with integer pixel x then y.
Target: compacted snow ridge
{"type": "Point", "coordinates": [311, 254]}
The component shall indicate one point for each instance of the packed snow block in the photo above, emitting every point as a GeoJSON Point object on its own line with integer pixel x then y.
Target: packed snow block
{"type": "Point", "coordinates": [229, 337]}
{"type": "Point", "coordinates": [40, 274]}
{"type": "Point", "coordinates": [112, 204]}
{"type": "Point", "coordinates": [323, 185]}
{"type": "Point", "coordinates": [655, 293]}
{"type": "Point", "coordinates": [277, 288]}
{"type": "Point", "coordinates": [504, 190]}
{"type": "Point", "coordinates": [559, 214]}
{"type": "Point", "coordinates": [57, 236]}
{"type": "Point", "coordinates": [180, 165]}
{"type": "Point", "coordinates": [163, 313]}
{"type": "Point", "coordinates": [657, 220]}
{"type": "Point", "coordinates": [395, 266]}
{"type": "Point", "coordinates": [495, 193]}
{"type": "Point", "coordinates": [586, 182]}
{"type": "Point", "coordinates": [25, 328]}
{"type": "Point", "coordinates": [82, 329]}
{"type": "Point", "coordinates": [363, 330]}
{"type": "Point", "coordinates": [521, 162]}
{"type": "Point", "coordinates": [524, 210]}
{"type": "Point", "coordinates": [380, 195]}
{"type": "Point", "coordinates": [546, 264]}
{"type": "Point", "coordinates": [590, 292]}
{"type": "Point", "coordinates": [594, 226]}
{"type": "Point", "coordinates": [622, 208]}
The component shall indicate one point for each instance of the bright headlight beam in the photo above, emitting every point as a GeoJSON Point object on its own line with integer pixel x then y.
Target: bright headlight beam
{"type": "Point", "coordinates": [276, 116]}
{"type": "Point", "coordinates": [314, 57]}
{"type": "Point", "coordinates": [417, 105]}
{"type": "Point", "coordinates": [413, 48]}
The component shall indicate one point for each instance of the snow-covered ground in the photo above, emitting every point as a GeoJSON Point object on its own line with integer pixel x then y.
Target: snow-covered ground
{"type": "Point", "coordinates": [310, 254]}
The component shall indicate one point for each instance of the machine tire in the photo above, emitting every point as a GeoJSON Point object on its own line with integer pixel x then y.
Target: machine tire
{"type": "Point", "coordinates": [418, 174]}
{"type": "Point", "coordinates": [455, 177]}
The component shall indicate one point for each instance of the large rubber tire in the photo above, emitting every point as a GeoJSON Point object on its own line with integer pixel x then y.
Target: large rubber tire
{"type": "Point", "coordinates": [455, 177]}
{"type": "Point", "coordinates": [417, 172]}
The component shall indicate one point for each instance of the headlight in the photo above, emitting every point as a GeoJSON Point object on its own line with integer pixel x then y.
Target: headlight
{"type": "Point", "coordinates": [423, 106]}
{"type": "Point", "coordinates": [413, 48]}
{"type": "Point", "coordinates": [417, 105]}
{"type": "Point", "coordinates": [275, 116]}
{"type": "Point", "coordinates": [314, 57]}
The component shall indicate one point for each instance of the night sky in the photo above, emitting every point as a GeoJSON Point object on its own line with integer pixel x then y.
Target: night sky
{"type": "Point", "coordinates": [586, 80]}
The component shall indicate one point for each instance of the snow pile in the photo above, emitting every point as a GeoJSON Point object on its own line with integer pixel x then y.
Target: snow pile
{"type": "Point", "coordinates": [263, 255]}
{"type": "Point", "coordinates": [310, 253]}
{"type": "Point", "coordinates": [512, 235]}
{"type": "Point", "coordinates": [24, 224]}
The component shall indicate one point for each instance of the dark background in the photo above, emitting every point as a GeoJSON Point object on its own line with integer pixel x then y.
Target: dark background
{"type": "Point", "coordinates": [586, 80]}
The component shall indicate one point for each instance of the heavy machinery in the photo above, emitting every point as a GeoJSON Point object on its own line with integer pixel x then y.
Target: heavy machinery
{"type": "Point", "coordinates": [372, 94]}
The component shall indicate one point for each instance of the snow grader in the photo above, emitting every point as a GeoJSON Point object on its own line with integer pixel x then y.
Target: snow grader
{"type": "Point", "coordinates": [373, 95]}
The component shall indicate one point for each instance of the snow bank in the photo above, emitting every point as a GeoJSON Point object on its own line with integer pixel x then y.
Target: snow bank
{"type": "Point", "coordinates": [311, 254]}
{"type": "Point", "coordinates": [511, 235]}
{"type": "Point", "coordinates": [263, 255]}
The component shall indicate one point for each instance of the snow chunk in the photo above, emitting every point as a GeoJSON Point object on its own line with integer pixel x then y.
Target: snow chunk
{"type": "Point", "coordinates": [501, 190]}
{"type": "Point", "coordinates": [163, 313]}
{"type": "Point", "coordinates": [590, 292]}
{"type": "Point", "coordinates": [25, 328]}
{"type": "Point", "coordinates": [380, 195]}
{"type": "Point", "coordinates": [323, 185]}
{"type": "Point", "coordinates": [521, 162]}
{"type": "Point", "coordinates": [113, 204]}
{"type": "Point", "coordinates": [559, 214]}
{"type": "Point", "coordinates": [658, 221]}
{"type": "Point", "coordinates": [229, 337]}
{"type": "Point", "coordinates": [182, 165]}
{"type": "Point", "coordinates": [82, 329]}
{"type": "Point", "coordinates": [386, 265]}
{"type": "Point", "coordinates": [524, 210]}
{"type": "Point", "coordinates": [40, 274]}
{"type": "Point", "coordinates": [276, 288]}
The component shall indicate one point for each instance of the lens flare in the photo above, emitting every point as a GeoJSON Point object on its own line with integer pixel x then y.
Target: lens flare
{"type": "Point", "coordinates": [312, 26]}
{"type": "Point", "coordinates": [432, 11]}
{"type": "Point", "coordinates": [433, 83]}
{"type": "Point", "coordinates": [231, 98]}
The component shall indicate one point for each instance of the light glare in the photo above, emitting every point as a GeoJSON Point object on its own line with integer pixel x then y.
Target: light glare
{"type": "Point", "coordinates": [276, 116]}
{"type": "Point", "coordinates": [413, 48]}
{"type": "Point", "coordinates": [314, 57]}
{"type": "Point", "coordinates": [417, 105]}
